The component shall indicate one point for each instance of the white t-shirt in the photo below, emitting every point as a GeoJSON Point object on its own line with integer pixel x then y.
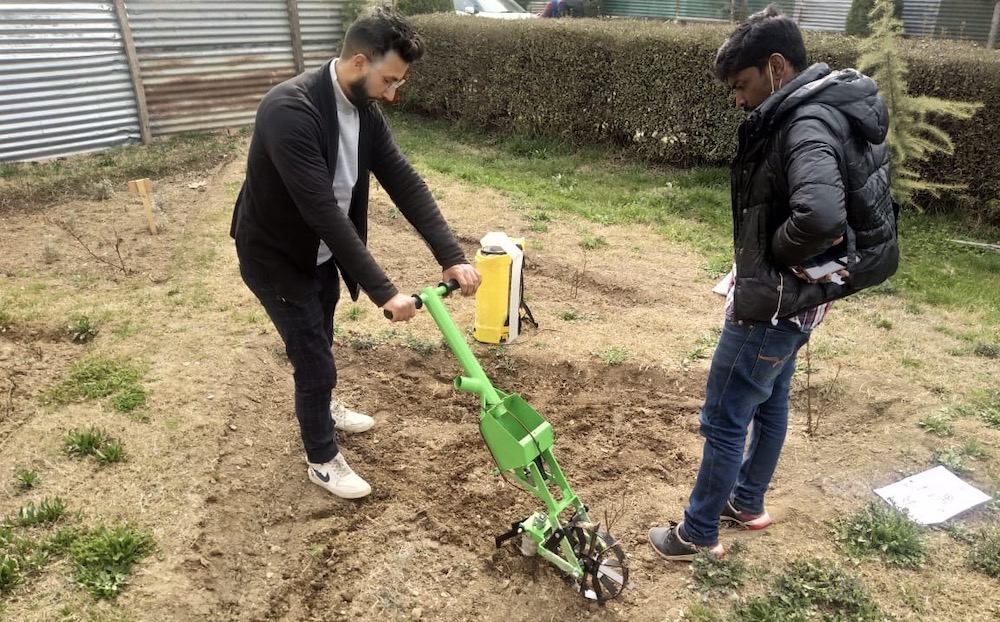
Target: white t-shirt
{"type": "Point", "coordinates": [346, 174]}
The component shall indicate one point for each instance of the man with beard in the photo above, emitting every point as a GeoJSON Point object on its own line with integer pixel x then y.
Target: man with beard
{"type": "Point", "coordinates": [300, 221]}
{"type": "Point", "coordinates": [811, 172]}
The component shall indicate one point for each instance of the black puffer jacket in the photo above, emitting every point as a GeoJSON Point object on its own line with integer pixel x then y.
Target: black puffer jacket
{"type": "Point", "coordinates": [812, 166]}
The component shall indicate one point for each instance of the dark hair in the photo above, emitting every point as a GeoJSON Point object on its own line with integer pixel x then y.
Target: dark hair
{"type": "Point", "coordinates": [380, 30]}
{"type": "Point", "coordinates": [752, 43]}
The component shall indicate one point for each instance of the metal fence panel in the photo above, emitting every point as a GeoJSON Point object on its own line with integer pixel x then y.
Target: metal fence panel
{"type": "Point", "coordinates": [206, 65]}
{"type": "Point", "coordinates": [322, 25]}
{"type": "Point", "coordinates": [968, 20]}
{"type": "Point", "coordinates": [66, 84]}
{"type": "Point", "coordinates": [829, 15]}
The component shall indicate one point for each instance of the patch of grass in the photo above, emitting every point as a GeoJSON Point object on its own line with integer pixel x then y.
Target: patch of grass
{"type": "Point", "coordinates": [812, 590]}
{"type": "Point", "coordinates": [879, 530]}
{"type": "Point", "coordinates": [881, 322]}
{"type": "Point", "coordinates": [940, 273]}
{"type": "Point", "coordinates": [939, 424]}
{"type": "Point", "coordinates": [954, 459]}
{"type": "Point", "coordinates": [502, 360]}
{"type": "Point", "coordinates": [48, 510]}
{"type": "Point", "coordinates": [613, 356]}
{"type": "Point", "coordinates": [10, 573]}
{"type": "Point", "coordinates": [719, 574]}
{"type": "Point", "coordinates": [59, 541]}
{"type": "Point", "coordinates": [110, 452]}
{"type": "Point", "coordinates": [986, 350]}
{"type": "Point", "coordinates": [6, 320]}
{"type": "Point", "coordinates": [364, 342]}
{"type": "Point", "coordinates": [94, 442]}
{"type": "Point", "coordinates": [354, 313]}
{"type": "Point", "coordinates": [538, 216]}
{"type": "Point", "coordinates": [697, 354]}
{"type": "Point", "coordinates": [423, 347]}
{"type": "Point", "coordinates": [974, 449]}
{"type": "Point", "coordinates": [103, 558]}
{"type": "Point", "coordinates": [26, 479]}
{"type": "Point", "coordinates": [81, 329]}
{"type": "Point", "coordinates": [572, 315]}
{"type": "Point", "coordinates": [25, 185]}
{"type": "Point", "coordinates": [690, 206]}
{"type": "Point", "coordinates": [94, 378]}
{"type": "Point", "coordinates": [84, 442]}
{"type": "Point", "coordinates": [809, 590]}
{"type": "Point", "coordinates": [991, 417]}
{"type": "Point", "coordinates": [984, 556]}
{"type": "Point", "coordinates": [130, 398]}
{"type": "Point", "coordinates": [593, 243]}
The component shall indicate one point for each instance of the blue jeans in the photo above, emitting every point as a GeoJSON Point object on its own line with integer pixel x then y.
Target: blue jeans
{"type": "Point", "coordinates": [748, 383]}
{"type": "Point", "coordinates": [306, 327]}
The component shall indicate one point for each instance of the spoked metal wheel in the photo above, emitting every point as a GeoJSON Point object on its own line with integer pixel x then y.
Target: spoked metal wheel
{"type": "Point", "coordinates": [605, 571]}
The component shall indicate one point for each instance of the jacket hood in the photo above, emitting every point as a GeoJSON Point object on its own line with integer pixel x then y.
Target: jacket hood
{"type": "Point", "coordinates": [848, 90]}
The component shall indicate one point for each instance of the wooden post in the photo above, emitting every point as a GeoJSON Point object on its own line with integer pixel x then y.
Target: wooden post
{"type": "Point", "coordinates": [133, 68]}
{"type": "Point", "coordinates": [293, 25]}
{"type": "Point", "coordinates": [143, 187]}
{"type": "Point", "coordinates": [994, 26]}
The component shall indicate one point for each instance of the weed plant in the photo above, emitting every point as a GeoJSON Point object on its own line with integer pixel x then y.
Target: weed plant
{"type": "Point", "coordinates": [98, 377]}
{"type": "Point", "coordinates": [984, 556]}
{"type": "Point", "coordinates": [937, 424]}
{"type": "Point", "coordinates": [613, 356]}
{"type": "Point", "coordinates": [26, 480]}
{"type": "Point", "coordinates": [423, 347]}
{"type": "Point", "coordinates": [812, 590]}
{"type": "Point", "coordinates": [879, 530]}
{"type": "Point", "coordinates": [110, 452]}
{"type": "Point", "coordinates": [103, 559]}
{"type": "Point", "coordinates": [82, 330]}
{"type": "Point", "coordinates": [130, 398]}
{"type": "Point", "coordinates": [719, 574]}
{"type": "Point", "coordinates": [84, 442]}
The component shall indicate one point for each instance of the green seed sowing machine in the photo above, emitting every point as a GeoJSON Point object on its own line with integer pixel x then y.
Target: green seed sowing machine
{"type": "Point", "coordinates": [521, 443]}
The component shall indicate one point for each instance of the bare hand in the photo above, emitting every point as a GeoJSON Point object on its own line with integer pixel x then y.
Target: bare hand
{"type": "Point", "coordinates": [401, 308]}
{"type": "Point", "coordinates": [468, 278]}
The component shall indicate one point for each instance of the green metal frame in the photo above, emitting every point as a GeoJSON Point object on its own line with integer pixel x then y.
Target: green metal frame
{"type": "Point", "coordinates": [520, 440]}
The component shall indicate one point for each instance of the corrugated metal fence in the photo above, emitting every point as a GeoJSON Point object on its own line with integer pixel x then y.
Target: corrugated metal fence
{"type": "Point", "coordinates": [68, 86]}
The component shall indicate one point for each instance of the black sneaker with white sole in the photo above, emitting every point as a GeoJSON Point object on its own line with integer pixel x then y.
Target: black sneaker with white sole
{"type": "Point", "coordinates": [669, 543]}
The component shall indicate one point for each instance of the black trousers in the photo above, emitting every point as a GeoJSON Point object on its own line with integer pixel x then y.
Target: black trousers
{"type": "Point", "coordinates": [306, 327]}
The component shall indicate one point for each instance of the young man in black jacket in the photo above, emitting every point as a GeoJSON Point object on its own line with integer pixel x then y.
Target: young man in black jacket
{"type": "Point", "coordinates": [301, 217]}
{"type": "Point", "coordinates": [811, 172]}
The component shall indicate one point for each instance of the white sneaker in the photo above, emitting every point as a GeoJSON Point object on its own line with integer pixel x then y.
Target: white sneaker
{"type": "Point", "coordinates": [347, 420]}
{"type": "Point", "coordinates": [340, 479]}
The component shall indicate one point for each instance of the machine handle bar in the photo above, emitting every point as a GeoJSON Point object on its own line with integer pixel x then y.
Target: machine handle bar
{"type": "Point", "coordinates": [443, 289]}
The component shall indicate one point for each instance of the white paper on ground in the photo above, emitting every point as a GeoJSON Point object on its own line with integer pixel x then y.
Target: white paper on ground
{"type": "Point", "coordinates": [932, 496]}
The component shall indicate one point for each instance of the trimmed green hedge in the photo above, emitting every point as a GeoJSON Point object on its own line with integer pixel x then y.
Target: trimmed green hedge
{"type": "Point", "coordinates": [647, 87]}
{"type": "Point", "coordinates": [417, 7]}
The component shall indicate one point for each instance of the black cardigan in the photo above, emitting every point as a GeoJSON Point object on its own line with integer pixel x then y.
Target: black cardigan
{"type": "Point", "coordinates": [287, 203]}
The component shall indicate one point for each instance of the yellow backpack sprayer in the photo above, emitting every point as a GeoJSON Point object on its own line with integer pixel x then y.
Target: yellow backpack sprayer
{"type": "Point", "coordinates": [521, 442]}
{"type": "Point", "coordinates": [500, 299]}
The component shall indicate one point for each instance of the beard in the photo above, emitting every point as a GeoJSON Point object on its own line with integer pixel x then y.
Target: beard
{"type": "Point", "coordinates": [357, 93]}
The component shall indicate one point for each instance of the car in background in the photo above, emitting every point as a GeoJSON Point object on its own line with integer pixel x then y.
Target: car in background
{"type": "Point", "coordinates": [499, 9]}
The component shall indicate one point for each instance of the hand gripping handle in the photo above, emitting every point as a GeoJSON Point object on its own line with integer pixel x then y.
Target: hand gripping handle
{"type": "Point", "coordinates": [443, 290]}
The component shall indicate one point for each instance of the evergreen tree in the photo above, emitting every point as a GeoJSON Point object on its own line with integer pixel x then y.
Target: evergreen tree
{"type": "Point", "coordinates": [912, 137]}
{"type": "Point", "coordinates": [860, 12]}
